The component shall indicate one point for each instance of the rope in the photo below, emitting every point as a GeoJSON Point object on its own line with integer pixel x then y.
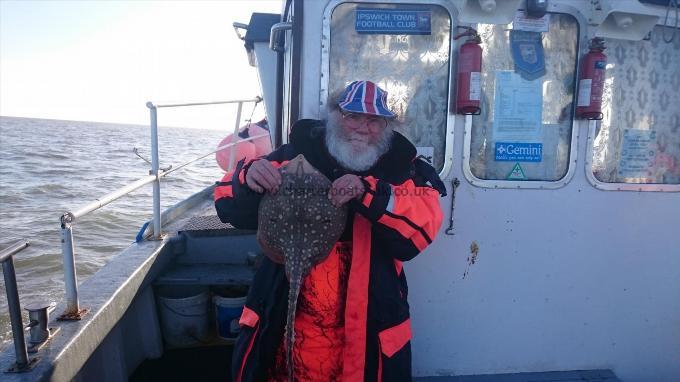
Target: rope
{"type": "Point", "coordinates": [228, 145]}
{"type": "Point", "coordinates": [250, 120]}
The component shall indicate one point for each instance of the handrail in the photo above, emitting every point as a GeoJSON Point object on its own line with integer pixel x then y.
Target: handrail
{"type": "Point", "coordinates": [106, 199]}
{"type": "Point", "coordinates": [13, 303]}
{"type": "Point", "coordinates": [153, 114]}
{"type": "Point", "coordinates": [238, 26]}
{"type": "Point", "coordinates": [73, 310]}
{"type": "Point", "coordinates": [255, 100]}
{"type": "Point", "coordinates": [274, 34]}
{"type": "Point", "coordinates": [13, 249]}
{"type": "Point", "coordinates": [70, 217]}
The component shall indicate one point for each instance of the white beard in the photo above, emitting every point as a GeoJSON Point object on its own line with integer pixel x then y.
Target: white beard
{"type": "Point", "coordinates": [350, 150]}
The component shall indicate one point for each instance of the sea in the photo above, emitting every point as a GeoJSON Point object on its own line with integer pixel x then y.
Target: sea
{"type": "Point", "coordinates": [48, 167]}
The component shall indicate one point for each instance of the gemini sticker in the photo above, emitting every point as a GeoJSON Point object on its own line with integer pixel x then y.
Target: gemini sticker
{"type": "Point", "coordinates": [518, 152]}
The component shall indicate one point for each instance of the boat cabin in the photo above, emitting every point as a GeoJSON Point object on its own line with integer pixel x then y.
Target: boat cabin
{"type": "Point", "coordinates": [555, 125]}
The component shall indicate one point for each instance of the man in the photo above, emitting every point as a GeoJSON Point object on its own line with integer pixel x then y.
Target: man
{"type": "Point", "coordinates": [352, 321]}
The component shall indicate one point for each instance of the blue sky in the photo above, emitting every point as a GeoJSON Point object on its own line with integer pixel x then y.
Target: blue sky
{"type": "Point", "coordinates": [102, 60]}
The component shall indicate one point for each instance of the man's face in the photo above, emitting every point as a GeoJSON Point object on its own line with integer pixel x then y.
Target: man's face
{"type": "Point", "coordinates": [356, 140]}
{"type": "Point", "coordinates": [361, 130]}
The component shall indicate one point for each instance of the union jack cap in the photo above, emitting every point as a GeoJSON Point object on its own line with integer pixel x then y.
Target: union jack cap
{"type": "Point", "coordinates": [365, 97]}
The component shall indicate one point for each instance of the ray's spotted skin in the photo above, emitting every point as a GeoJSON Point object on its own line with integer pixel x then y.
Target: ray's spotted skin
{"type": "Point", "coordinates": [299, 222]}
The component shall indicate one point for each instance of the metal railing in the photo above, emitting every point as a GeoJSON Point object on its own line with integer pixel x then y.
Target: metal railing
{"type": "Point", "coordinates": [7, 259]}
{"type": "Point", "coordinates": [68, 219]}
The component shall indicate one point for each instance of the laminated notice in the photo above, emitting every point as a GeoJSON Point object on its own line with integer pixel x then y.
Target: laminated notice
{"type": "Point", "coordinates": [638, 150]}
{"type": "Point", "coordinates": [475, 86]}
{"type": "Point", "coordinates": [531, 24]}
{"type": "Point", "coordinates": [584, 90]}
{"type": "Point", "coordinates": [518, 108]}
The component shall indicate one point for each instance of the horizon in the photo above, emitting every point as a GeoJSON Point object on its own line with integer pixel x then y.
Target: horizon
{"type": "Point", "coordinates": [92, 61]}
{"type": "Point", "coordinates": [229, 129]}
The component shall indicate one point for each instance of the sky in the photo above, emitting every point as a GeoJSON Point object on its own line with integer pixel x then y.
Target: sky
{"type": "Point", "coordinates": [103, 60]}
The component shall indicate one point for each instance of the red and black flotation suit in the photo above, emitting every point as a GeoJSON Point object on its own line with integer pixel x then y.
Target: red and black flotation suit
{"type": "Point", "coordinates": [397, 218]}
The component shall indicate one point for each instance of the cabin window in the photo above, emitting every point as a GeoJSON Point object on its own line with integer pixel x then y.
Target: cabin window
{"type": "Point", "coordinates": [412, 65]}
{"type": "Point", "coordinates": [524, 131]}
{"type": "Point", "coordinates": [638, 139]}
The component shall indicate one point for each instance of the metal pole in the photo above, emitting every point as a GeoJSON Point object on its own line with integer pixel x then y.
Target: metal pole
{"type": "Point", "coordinates": [108, 198]}
{"type": "Point", "coordinates": [256, 100]}
{"type": "Point", "coordinates": [70, 279]}
{"type": "Point", "coordinates": [154, 171]}
{"type": "Point", "coordinates": [13, 249]}
{"type": "Point", "coordinates": [15, 312]}
{"type": "Point", "coordinates": [232, 153]}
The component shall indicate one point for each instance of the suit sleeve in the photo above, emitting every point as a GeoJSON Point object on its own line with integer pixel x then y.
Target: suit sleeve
{"type": "Point", "coordinates": [235, 202]}
{"type": "Point", "coordinates": [405, 217]}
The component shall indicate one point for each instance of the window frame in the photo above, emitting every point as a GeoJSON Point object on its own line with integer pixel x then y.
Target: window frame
{"type": "Point", "coordinates": [606, 186]}
{"type": "Point", "coordinates": [575, 123]}
{"type": "Point", "coordinates": [593, 130]}
{"type": "Point", "coordinates": [325, 65]}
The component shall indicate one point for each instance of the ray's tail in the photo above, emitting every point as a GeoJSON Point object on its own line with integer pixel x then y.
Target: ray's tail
{"type": "Point", "coordinates": [293, 294]}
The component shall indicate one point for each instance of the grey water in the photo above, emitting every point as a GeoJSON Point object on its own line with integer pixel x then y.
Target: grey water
{"type": "Point", "coordinates": [48, 167]}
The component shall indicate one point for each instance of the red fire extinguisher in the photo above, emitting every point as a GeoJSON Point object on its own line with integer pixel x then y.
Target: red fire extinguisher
{"type": "Point", "coordinates": [591, 81]}
{"type": "Point", "coordinates": [469, 73]}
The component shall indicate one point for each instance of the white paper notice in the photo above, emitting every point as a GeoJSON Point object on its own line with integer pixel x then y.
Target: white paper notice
{"type": "Point", "coordinates": [637, 153]}
{"type": "Point", "coordinates": [530, 24]}
{"type": "Point", "coordinates": [518, 108]}
{"type": "Point", "coordinates": [475, 86]}
{"type": "Point", "coordinates": [584, 89]}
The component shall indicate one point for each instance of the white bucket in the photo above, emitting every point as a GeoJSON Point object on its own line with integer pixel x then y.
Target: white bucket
{"type": "Point", "coordinates": [227, 314]}
{"type": "Point", "coordinates": [184, 314]}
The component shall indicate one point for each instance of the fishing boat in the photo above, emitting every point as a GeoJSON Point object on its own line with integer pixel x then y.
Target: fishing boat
{"type": "Point", "coordinates": [555, 125]}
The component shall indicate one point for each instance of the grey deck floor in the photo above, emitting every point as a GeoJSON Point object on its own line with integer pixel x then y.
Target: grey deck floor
{"type": "Point", "coordinates": [551, 376]}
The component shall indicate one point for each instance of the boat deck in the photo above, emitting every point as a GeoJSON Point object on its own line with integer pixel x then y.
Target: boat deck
{"type": "Point", "coordinates": [550, 376]}
{"type": "Point", "coordinates": [213, 363]}
{"type": "Point", "coordinates": [210, 363]}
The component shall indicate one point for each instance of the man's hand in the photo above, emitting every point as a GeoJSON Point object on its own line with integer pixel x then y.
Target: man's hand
{"type": "Point", "coordinates": [263, 176]}
{"type": "Point", "coordinates": [345, 188]}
